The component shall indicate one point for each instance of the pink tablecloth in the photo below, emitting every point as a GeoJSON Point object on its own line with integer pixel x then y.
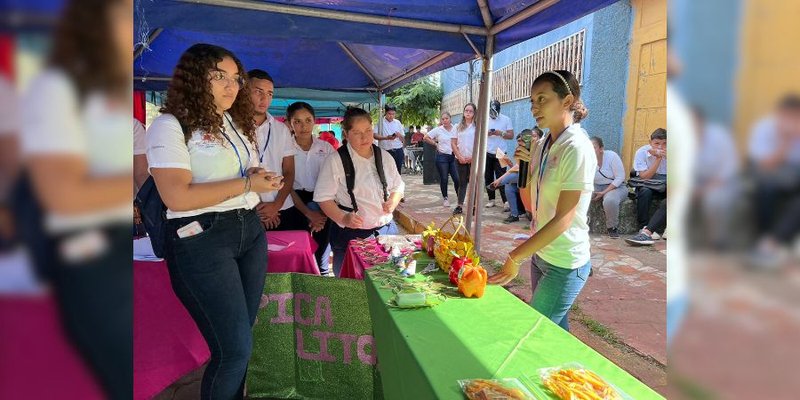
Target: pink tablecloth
{"type": "Point", "coordinates": [299, 257]}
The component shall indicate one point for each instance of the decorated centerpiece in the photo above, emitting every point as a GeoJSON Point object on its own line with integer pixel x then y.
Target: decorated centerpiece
{"type": "Point", "coordinates": [449, 246]}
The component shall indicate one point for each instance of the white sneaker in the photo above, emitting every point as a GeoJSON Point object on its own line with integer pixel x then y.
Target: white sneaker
{"type": "Point", "coordinates": [490, 204]}
{"type": "Point", "coordinates": [446, 203]}
{"type": "Point", "coordinates": [655, 236]}
{"type": "Point", "coordinates": [506, 207]}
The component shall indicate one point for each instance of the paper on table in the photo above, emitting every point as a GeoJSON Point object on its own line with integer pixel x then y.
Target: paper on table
{"type": "Point", "coordinates": [278, 247]}
{"type": "Point", "coordinates": [143, 250]}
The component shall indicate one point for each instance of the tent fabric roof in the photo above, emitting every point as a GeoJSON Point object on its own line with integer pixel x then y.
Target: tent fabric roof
{"type": "Point", "coordinates": [304, 51]}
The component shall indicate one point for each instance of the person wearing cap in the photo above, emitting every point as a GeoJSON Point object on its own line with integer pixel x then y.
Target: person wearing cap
{"type": "Point", "coordinates": [393, 138]}
{"type": "Point", "coordinates": [500, 129]}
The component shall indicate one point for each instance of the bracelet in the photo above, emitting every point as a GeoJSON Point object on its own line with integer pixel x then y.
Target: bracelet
{"type": "Point", "coordinates": [247, 184]}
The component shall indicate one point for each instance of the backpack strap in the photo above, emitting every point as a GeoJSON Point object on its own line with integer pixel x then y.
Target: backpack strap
{"type": "Point", "coordinates": [349, 174]}
{"type": "Point", "coordinates": [381, 174]}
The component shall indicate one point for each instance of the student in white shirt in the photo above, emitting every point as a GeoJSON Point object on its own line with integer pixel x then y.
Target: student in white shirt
{"type": "Point", "coordinates": [650, 162]}
{"type": "Point", "coordinates": [462, 145]}
{"type": "Point", "coordinates": [393, 136]}
{"type": "Point", "coordinates": [310, 154]}
{"type": "Point", "coordinates": [442, 137]}
{"type": "Point", "coordinates": [275, 153]}
{"type": "Point", "coordinates": [562, 174]}
{"type": "Point", "coordinates": [609, 185]}
{"type": "Point", "coordinates": [140, 173]}
{"type": "Point", "coordinates": [371, 215]}
{"type": "Point", "coordinates": [500, 129]}
{"type": "Point", "coordinates": [203, 159]}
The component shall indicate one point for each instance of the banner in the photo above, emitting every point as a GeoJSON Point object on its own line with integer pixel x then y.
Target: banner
{"type": "Point", "coordinates": [313, 340]}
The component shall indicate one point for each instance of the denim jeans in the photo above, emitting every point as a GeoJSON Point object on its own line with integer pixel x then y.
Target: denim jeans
{"type": "Point", "coordinates": [341, 237]}
{"type": "Point", "coordinates": [446, 164]}
{"type": "Point", "coordinates": [322, 238]}
{"type": "Point", "coordinates": [463, 181]}
{"type": "Point", "coordinates": [509, 184]}
{"type": "Point", "coordinates": [556, 288]}
{"type": "Point", "coordinates": [493, 171]}
{"type": "Point", "coordinates": [219, 275]}
{"type": "Point", "coordinates": [399, 156]}
{"type": "Point", "coordinates": [676, 310]}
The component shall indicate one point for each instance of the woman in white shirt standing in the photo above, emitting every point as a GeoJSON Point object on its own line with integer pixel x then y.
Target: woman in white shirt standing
{"type": "Point", "coordinates": [366, 210]}
{"type": "Point", "coordinates": [442, 137]}
{"type": "Point", "coordinates": [563, 165]}
{"type": "Point", "coordinates": [462, 145]}
{"type": "Point", "coordinates": [609, 184]}
{"type": "Point", "coordinates": [309, 156]}
{"type": "Point", "coordinates": [204, 163]}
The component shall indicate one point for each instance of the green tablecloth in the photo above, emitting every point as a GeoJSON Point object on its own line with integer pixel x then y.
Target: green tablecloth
{"type": "Point", "coordinates": [422, 353]}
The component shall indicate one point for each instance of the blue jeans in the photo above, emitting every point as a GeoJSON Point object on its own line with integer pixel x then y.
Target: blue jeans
{"type": "Point", "coordinates": [676, 310]}
{"type": "Point", "coordinates": [446, 164]}
{"type": "Point", "coordinates": [219, 275]}
{"type": "Point", "coordinates": [341, 237]}
{"type": "Point", "coordinates": [399, 156]}
{"type": "Point", "coordinates": [556, 288]}
{"type": "Point", "coordinates": [509, 184]}
{"type": "Point", "coordinates": [321, 237]}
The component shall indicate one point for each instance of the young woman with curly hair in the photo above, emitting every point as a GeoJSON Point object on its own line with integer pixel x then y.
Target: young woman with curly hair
{"type": "Point", "coordinates": [204, 163]}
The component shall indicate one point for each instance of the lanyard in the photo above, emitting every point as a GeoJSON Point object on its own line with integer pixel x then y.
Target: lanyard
{"type": "Point", "coordinates": [542, 164]}
{"type": "Point", "coordinates": [269, 135]}
{"type": "Point", "coordinates": [235, 150]}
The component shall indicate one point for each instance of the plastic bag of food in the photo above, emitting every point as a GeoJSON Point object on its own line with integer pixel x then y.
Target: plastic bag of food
{"type": "Point", "coordinates": [573, 381]}
{"type": "Point", "coordinates": [495, 389]}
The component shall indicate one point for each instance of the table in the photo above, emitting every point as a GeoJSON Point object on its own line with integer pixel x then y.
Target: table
{"type": "Point", "coordinates": [424, 352]}
{"type": "Point", "coordinates": [299, 257]}
{"type": "Point", "coordinates": [354, 259]}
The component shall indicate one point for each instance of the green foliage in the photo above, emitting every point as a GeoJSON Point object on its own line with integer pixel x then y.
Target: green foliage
{"type": "Point", "coordinates": [417, 103]}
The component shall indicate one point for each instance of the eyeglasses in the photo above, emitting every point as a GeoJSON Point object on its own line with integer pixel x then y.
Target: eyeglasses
{"type": "Point", "coordinates": [222, 77]}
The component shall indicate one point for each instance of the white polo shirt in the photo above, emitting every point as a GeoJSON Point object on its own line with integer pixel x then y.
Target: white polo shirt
{"type": "Point", "coordinates": [643, 160]}
{"type": "Point", "coordinates": [274, 142]}
{"type": "Point", "coordinates": [571, 164]}
{"type": "Point", "coordinates": [388, 129]}
{"type": "Point", "coordinates": [208, 159]}
{"type": "Point", "coordinates": [502, 123]}
{"type": "Point", "coordinates": [465, 140]}
{"type": "Point", "coordinates": [612, 171]}
{"type": "Point", "coordinates": [443, 138]}
{"type": "Point", "coordinates": [307, 164]}
{"type": "Point", "coordinates": [331, 185]}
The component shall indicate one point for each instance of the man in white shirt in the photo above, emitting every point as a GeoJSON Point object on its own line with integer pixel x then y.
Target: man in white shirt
{"type": "Point", "coordinates": [650, 162]}
{"type": "Point", "coordinates": [393, 136]}
{"type": "Point", "coordinates": [276, 154]}
{"type": "Point", "coordinates": [500, 129]}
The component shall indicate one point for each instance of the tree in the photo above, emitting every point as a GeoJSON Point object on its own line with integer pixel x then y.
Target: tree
{"type": "Point", "coordinates": [418, 102]}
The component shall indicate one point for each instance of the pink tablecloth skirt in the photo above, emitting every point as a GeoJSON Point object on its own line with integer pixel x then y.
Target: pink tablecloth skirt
{"type": "Point", "coordinates": [356, 259]}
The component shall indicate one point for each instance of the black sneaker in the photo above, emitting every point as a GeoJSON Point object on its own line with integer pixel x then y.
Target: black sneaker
{"type": "Point", "coordinates": [510, 219]}
{"type": "Point", "coordinates": [613, 233]}
{"type": "Point", "coordinates": [458, 210]}
{"type": "Point", "coordinates": [529, 216]}
{"type": "Point", "coordinates": [640, 239]}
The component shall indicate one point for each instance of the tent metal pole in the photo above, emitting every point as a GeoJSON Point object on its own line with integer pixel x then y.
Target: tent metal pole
{"type": "Point", "coordinates": [433, 60]}
{"type": "Point", "coordinates": [150, 37]}
{"type": "Point", "coordinates": [521, 16]}
{"type": "Point", "coordinates": [343, 16]}
{"type": "Point", "coordinates": [359, 63]}
{"type": "Point", "coordinates": [482, 131]}
{"type": "Point", "coordinates": [381, 104]}
{"type": "Point", "coordinates": [486, 13]}
{"type": "Point", "coordinates": [472, 44]}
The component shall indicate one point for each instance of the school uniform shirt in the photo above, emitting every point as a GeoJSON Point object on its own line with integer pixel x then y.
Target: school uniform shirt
{"type": "Point", "coordinates": [611, 172]}
{"type": "Point", "coordinates": [331, 185]}
{"type": "Point", "coordinates": [643, 160]}
{"type": "Point", "coordinates": [765, 140]}
{"type": "Point", "coordinates": [443, 137]}
{"type": "Point", "coordinates": [307, 164]}
{"type": "Point", "coordinates": [389, 128]}
{"type": "Point", "coordinates": [502, 123]}
{"type": "Point", "coordinates": [570, 165]}
{"type": "Point", "coordinates": [208, 158]}
{"type": "Point", "coordinates": [98, 130]}
{"type": "Point", "coordinates": [274, 141]}
{"type": "Point", "coordinates": [465, 140]}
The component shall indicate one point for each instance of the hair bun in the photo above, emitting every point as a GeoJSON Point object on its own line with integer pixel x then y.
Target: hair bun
{"type": "Point", "coordinates": [579, 111]}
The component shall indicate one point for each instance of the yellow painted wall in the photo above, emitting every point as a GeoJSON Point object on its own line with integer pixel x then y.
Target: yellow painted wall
{"type": "Point", "coordinates": [769, 61]}
{"type": "Point", "coordinates": [646, 98]}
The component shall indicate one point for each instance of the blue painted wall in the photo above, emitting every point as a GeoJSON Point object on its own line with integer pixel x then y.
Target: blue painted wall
{"type": "Point", "coordinates": [608, 34]}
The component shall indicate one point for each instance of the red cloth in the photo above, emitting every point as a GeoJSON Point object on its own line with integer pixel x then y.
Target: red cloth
{"type": "Point", "coordinates": [330, 138]}
{"type": "Point", "coordinates": [139, 110]}
{"type": "Point", "coordinates": [36, 361]}
{"type": "Point", "coordinates": [416, 137]}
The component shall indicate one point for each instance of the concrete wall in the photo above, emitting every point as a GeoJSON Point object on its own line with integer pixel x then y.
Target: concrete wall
{"type": "Point", "coordinates": [604, 79]}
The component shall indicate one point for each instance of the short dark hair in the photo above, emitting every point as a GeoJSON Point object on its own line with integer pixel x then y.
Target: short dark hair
{"type": "Point", "coordinates": [259, 74]}
{"type": "Point", "coordinates": [790, 102]}
{"type": "Point", "coordinates": [351, 114]}
{"type": "Point", "coordinates": [297, 106]}
{"type": "Point", "coordinates": [599, 141]}
{"type": "Point", "coordinates": [659, 133]}
{"type": "Point", "coordinates": [389, 107]}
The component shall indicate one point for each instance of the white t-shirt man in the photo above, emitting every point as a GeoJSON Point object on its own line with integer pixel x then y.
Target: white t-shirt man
{"type": "Point", "coordinates": [570, 165]}
{"type": "Point", "coordinates": [466, 140]}
{"type": "Point", "coordinates": [612, 171]}
{"type": "Point", "coordinates": [274, 141]}
{"type": "Point", "coordinates": [388, 129]}
{"type": "Point", "coordinates": [502, 124]}
{"type": "Point", "coordinates": [443, 138]}
{"type": "Point", "coordinates": [307, 164]}
{"type": "Point", "coordinates": [331, 185]}
{"type": "Point", "coordinates": [208, 158]}
{"type": "Point", "coordinates": [765, 140]}
{"type": "Point", "coordinates": [643, 160]}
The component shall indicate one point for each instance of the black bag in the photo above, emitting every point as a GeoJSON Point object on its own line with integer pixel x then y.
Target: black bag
{"type": "Point", "coordinates": [655, 185]}
{"type": "Point", "coordinates": [350, 174]}
{"type": "Point", "coordinates": [154, 215]}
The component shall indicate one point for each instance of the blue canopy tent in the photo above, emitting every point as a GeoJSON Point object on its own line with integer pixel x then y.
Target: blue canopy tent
{"type": "Point", "coordinates": [349, 47]}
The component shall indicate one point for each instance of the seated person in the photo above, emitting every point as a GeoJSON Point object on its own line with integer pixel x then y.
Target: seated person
{"type": "Point", "coordinates": [509, 181]}
{"type": "Point", "coordinates": [650, 162]}
{"type": "Point", "coordinates": [657, 223]}
{"type": "Point", "coordinates": [609, 185]}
